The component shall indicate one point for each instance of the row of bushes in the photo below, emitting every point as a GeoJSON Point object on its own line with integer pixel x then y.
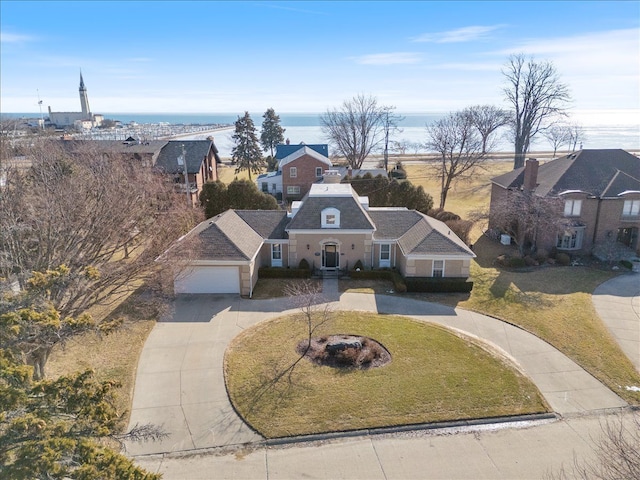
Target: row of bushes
{"type": "Point", "coordinates": [279, 272]}
{"type": "Point", "coordinates": [440, 285]}
{"type": "Point", "coordinates": [542, 257]}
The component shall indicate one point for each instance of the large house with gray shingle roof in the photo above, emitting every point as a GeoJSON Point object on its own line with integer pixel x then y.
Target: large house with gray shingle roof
{"type": "Point", "coordinates": [332, 228]}
{"type": "Point", "coordinates": [601, 194]}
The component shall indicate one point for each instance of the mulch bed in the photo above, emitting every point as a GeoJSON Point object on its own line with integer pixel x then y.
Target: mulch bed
{"type": "Point", "coordinates": [345, 351]}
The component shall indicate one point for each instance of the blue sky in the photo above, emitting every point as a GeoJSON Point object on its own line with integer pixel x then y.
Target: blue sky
{"type": "Point", "coordinates": [210, 57]}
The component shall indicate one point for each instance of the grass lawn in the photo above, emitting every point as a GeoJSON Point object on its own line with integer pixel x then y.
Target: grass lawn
{"type": "Point", "coordinates": [111, 357]}
{"type": "Point", "coordinates": [434, 375]}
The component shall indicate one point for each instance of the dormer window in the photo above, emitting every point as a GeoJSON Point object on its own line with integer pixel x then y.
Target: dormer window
{"type": "Point", "coordinates": [330, 218]}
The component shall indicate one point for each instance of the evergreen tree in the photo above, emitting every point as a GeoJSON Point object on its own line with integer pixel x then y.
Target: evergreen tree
{"type": "Point", "coordinates": [272, 133]}
{"type": "Point", "coordinates": [246, 154]}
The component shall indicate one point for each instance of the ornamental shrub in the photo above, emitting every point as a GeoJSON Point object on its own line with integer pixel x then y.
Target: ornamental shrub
{"type": "Point", "coordinates": [563, 259]}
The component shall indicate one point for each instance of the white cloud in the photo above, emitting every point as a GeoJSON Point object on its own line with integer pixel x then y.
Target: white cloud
{"type": "Point", "coordinates": [464, 34]}
{"type": "Point", "coordinates": [6, 37]}
{"type": "Point", "coordinates": [388, 58]}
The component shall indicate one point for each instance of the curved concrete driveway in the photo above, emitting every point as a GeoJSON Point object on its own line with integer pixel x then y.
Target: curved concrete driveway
{"type": "Point", "coordinates": [617, 302]}
{"type": "Point", "coordinates": [180, 382]}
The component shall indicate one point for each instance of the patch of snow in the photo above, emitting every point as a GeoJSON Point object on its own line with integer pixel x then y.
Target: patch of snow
{"type": "Point", "coordinates": [633, 388]}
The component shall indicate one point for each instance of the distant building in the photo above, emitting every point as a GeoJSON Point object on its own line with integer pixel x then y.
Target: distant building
{"type": "Point", "coordinates": [81, 120]}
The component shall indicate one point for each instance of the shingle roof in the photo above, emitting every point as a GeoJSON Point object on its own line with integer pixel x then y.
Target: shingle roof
{"type": "Point", "coordinates": [302, 151]}
{"type": "Point", "coordinates": [391, 224]}
{"type": "Point", "coordinates": [605, 172]}
{"type": "Point", "coordinates": [224, 237]}
{"type": "Point", "coordinates": [352, 215]}
{"type": "Point", "coordinates": [119, 146]}
{"type": "Point", "coordinates": [269, 224]}
{"type": "Point", "coordinates": [284, 150]}
{"type": "Point", "coordinates": [195, 153]}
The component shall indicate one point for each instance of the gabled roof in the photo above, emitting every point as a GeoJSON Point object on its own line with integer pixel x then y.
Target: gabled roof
{"type": "Point", "coordinates": [195, 152]}
{"type": "Point", "coordinates": [601, 173]}
{"type": "Point", "coordinates": [340, 196]}
{"type": "Point", "coordinates": [416, 233]}
{"type": "Point", "coordinates": [284, 150]}
{"type": "Point", "coordinates": [225, 237]}
{"type": "Point", "coordinates": [304, 150]}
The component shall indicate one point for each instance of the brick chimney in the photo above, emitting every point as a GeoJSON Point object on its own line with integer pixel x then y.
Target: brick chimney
{"type": "Point", "coordinates": [530, 174]}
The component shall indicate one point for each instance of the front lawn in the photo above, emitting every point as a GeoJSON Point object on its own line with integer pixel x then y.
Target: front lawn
{"type": "Point", "coordinates": [433, 376]}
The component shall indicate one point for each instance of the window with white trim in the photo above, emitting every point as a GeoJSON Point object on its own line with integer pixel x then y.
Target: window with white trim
{"type": "Point", "coordinates": [438, 268]}
{"type": "Point", "coordinates": [318, 172]}
{"type": "Point", "coordinates": [572, 208]}
{"type": "Point", "coordinates": [293, 190]}
{"type": "Point", "coordinates": [631, 208]}
{"type": "Point", "coordinates": [293, 172]}
{"type": "Point", "coordinates": [570, 239]}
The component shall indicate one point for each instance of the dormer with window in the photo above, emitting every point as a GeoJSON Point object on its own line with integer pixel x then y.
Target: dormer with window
{"type": "Point", "coordinates": [330, 218]}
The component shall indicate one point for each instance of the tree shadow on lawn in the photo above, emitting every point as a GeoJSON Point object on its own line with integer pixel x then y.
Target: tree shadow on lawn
{"type": "Point", "coordinates": [527, 285]}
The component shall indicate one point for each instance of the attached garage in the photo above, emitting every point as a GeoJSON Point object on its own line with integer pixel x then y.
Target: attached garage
{"type": "Point", "coordinates": [208, 279]}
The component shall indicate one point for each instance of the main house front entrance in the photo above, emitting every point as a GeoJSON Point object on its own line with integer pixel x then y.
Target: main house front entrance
{"type": "Point", "coordinates": [330, 256]}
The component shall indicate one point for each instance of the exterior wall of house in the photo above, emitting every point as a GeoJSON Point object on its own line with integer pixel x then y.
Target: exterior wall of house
{"type": "Point", "coordinates": [612, 220]}
{"type": "Point", "coordinates": [351, 248]}
{"type": "Point", "coordinates": [452, 268]}
{"type": "Point", "coordinates": [264, 256]}
{"type": "Point", "coordinates": [394, 251]}
{"type": "Point", "coordinates": [305, 175]}
{"type": "Point", "coordinates": [248, 278]}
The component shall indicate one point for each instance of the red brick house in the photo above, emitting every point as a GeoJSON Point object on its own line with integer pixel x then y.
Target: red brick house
{"type": "Point", "coordinates": [600, 190]}
{"type": "Point", "coordinates": [300, 170]}
{"type": "Point", "coordinates": [199, 158]}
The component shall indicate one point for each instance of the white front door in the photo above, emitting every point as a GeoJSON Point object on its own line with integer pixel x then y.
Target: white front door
{"type": "Point", "coordinates": [276, 255]}
{"type": "Point", "coordinates": [385, 255]}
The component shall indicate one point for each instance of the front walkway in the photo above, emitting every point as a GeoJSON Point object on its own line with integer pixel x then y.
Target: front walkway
{"type": "Point", "coordinates": [180, 380]}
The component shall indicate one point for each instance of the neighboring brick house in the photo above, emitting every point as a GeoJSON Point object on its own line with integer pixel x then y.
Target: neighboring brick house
{"type": "Point", "coordinates": [332, 228]}
{"type": "Point", "coordinates": [601, 194]}
{"type": "Point", "coordinates": [198, 157]}
{"type": "Point", "coordinates": [300, 170]}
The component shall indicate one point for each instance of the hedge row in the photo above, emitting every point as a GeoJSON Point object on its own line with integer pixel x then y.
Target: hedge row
{"type": "Point", "coordinates": [430, 284]}
{"type": "Point", "coordinates": [279, 272]}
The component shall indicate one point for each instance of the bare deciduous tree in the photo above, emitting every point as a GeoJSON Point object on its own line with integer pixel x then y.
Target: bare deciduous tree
{"type": "Point", "coordinates": [536, 94]}
{"type": "Point", "coordinates": [459, 146]}
{"type": "Point", "coordinates": [525, 216]}
{"type": "Point", "coordinates": [390, 121]}
{"type": "Point", "coordinates": [78, 230]}
{"type": "Point", "coordinates": [576, 134]}
{"type": "Point", "coordinates": [487, 119]}
{"type": "Point", "coordinates": [557, 134]}
{"type": "Point", "coordinates": [354, 129]}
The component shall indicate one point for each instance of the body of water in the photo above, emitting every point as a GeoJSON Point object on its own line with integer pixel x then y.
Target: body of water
{"type": "Point", "coordinates": [602, 129]}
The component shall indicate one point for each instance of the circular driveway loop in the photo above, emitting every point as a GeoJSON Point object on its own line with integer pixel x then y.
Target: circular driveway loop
{"type": "Point", "coordinates": [180, 382]}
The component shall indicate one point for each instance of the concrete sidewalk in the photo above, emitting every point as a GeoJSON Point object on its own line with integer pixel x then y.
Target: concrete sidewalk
{"type": "Point", "coordinates": [617, 302]}
{"type": "Point", "coordinates": [180, 381]}
{"type": "Point", "coordinates": [482, 453]}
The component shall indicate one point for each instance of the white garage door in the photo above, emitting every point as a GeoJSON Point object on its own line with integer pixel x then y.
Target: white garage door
{"type": "Point", "coordinates": [208, 280]}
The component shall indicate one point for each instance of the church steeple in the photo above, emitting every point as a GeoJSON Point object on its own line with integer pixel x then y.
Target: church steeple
{"type": "Point", "coordinates": [84, 98]}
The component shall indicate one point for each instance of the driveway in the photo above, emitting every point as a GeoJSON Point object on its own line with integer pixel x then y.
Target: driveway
{"type": "Point", "coordinates": [180, 383]}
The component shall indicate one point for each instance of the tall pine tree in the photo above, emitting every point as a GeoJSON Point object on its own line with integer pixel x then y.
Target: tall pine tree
{"type": "Point", "coordinates": [272, 133]}
{"type": "Point", "coordinates": [246, 155]}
